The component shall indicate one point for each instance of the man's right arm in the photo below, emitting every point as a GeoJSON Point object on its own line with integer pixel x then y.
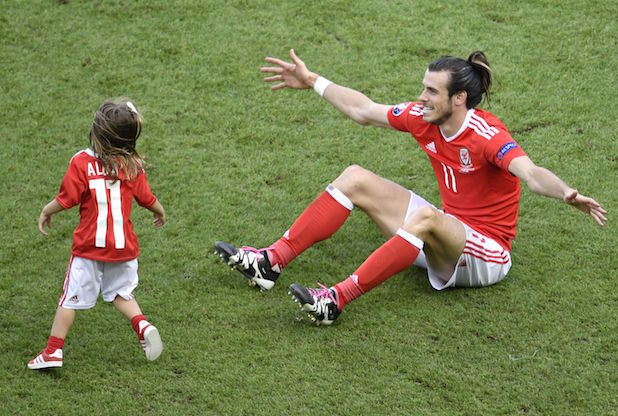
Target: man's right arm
{"type": "Point", "coordinates": [357, 106]}
{"type": "Point", "coordinates": [352, 103]}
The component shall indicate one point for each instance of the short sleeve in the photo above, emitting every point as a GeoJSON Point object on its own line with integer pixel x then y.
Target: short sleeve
{"type": "Point", "coordinates": [502, 149]}
{"type": "Point", "coordinates": [398, 116]}
{"type": "Point", "coordinates": [72, 187]}
{"type": "Point", "coordinates": [142, 192]}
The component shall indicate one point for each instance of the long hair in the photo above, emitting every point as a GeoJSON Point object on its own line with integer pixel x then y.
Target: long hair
{"type": "Point", "coordinates": [472, 76]}
{"type": "Point", "coordinates": [115, 129]}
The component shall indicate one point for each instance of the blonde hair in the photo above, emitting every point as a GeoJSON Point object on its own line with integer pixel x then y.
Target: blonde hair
{"type": "Point", "coordinates": [115, 129]}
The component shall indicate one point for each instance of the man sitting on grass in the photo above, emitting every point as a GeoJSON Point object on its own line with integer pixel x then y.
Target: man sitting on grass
{"type": "Point", "coordinates": [478, 167]}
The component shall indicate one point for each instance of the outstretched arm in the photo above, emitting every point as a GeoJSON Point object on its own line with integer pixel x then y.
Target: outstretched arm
{"type": "Point", "coordinates": [50, 209]}
{"type": "Point", "coordinates": [544, 182]}
{"type": "Point", "coordinates": [352, 103]}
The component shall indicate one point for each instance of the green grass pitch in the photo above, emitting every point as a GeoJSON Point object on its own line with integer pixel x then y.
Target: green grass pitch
{"type": "Point", "coordinates": [231, 160]}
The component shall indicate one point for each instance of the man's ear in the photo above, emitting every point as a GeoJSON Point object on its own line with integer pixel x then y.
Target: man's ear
{"type": "Point", "coordinates": [460, 98]}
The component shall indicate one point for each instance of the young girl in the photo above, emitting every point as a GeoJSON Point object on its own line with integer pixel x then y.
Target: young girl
{"type": "Point", "coordinates": [103, 180]}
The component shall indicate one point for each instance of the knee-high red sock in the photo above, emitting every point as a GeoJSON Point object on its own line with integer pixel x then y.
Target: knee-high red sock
{"type": "Point", "coordinates": [395, 255]}
{"type": "Point", "coordinates": [321, 219]}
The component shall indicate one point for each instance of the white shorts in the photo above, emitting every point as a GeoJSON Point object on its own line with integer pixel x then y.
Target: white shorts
{"type": "Point", "coordinates": [482, 263]}
{"type": "Point", "coordinates": [85, 278]}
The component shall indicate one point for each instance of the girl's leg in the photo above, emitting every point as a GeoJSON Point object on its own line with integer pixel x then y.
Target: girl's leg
{"type": "Point", "coordinates": [51, 356]}
{"type": "Point", "coordinates": [147, 333]}
{"type": "Point", "coordinates": [128, 308]}
{"type": "Point", "coordinates": [62, 322]}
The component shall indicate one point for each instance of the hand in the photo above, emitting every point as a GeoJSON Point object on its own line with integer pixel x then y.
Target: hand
{"type": "Point", "coordinates": [587, 205]}
{"type": "Point", "coordinates": [159, 220]}
{"type": "Point", "coordinates": [44, 219]}
{"type": "Point", "coordinates": [292, 75]}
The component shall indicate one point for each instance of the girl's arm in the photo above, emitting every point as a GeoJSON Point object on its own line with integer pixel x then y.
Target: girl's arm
{"type": "Point", "coordinates": [159, 213]}
{"type": "Point", "coordinates": [48, 210]}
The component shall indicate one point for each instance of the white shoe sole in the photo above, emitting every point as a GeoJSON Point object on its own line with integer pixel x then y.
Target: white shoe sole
{"type": "Point", "coordinates": [262, 284]}
{"type": "Point", "coordinates": [154, 346]}
{"type": "Point", "coordinates": [41, 366]}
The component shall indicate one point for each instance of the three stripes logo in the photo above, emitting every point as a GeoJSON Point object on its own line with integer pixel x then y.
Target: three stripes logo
{"type": "Point", "coordinates": [480, 126]}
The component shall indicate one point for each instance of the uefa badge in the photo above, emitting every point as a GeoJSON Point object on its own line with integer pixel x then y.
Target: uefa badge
{"type": "Point", "coordinates": [398, 109]}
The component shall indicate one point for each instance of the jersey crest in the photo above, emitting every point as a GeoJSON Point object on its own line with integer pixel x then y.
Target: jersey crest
{"type": "Point", "coordinates": [465, 160]}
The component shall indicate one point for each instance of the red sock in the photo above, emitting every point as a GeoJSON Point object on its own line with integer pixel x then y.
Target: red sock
{"type": "Point", "coordinates": [135, 322]}
{"type": "Point", "coordinates": [395, 255]}
{"type": "Point", "coordinates": [53, 343]}
{"type": "Point", "coordinates": [319, 220]}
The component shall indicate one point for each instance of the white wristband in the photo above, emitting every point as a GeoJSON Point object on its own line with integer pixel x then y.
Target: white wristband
{"type": "Point", "coordinates": [320, 85]}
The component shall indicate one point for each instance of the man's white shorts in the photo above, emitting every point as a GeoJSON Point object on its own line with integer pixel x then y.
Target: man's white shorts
{"type": "Point", "coordinates": [85, 278]}
{"type": "Point", "coordinates": [482, 263]}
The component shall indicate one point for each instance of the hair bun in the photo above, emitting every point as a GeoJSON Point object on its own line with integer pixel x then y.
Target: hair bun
{"type": "Point", "coordinates": [478, 57]}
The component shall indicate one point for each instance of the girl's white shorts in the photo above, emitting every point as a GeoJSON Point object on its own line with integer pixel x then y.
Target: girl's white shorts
{"type": "Point", "coordinates": [85, 278]}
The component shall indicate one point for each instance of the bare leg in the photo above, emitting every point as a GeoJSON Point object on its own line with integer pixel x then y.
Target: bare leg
{"type": "Point", "coordinates": [384, 201]}
{"type": "Point", "coordinates": [62, 322]}
{"type": "Point", "coordinates": [51, 356]}
{"type": "Point", "coordinates": [444, 238]}
{"type": "Point", "coordinates": [128, 308]}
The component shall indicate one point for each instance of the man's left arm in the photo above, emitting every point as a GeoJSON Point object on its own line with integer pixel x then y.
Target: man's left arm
{"type": "Point", "coordinates": [544, 182]}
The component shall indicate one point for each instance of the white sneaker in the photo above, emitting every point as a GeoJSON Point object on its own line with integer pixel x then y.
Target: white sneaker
{"type": "Point", "coordinates": [150, 340]}
{"type": "Point", "coordinates": [44, 360]}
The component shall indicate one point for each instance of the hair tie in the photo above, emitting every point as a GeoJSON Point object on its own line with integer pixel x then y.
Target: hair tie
{"type": "Point", "coordinates": [132, 107]}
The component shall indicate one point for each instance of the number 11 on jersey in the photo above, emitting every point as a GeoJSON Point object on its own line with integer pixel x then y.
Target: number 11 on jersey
{"type": "Point", "coordinates": [449, 177]}
{"type": "Point", "coordinates": [100, 187]}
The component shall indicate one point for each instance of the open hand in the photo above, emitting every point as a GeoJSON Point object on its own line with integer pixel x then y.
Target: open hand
{"type": "Point", "coordinates": [292, 75]}
{"type": "Point", "coordinates": [587, 205]}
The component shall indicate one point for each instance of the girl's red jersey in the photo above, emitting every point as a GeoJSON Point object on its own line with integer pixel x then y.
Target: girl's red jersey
{"type": "Point", "coordinates": [105, 231]}
{"type": "Point", "coordinates": [471, 168]}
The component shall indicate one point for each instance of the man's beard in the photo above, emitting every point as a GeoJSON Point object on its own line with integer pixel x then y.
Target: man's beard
{"type": "Point", "coordinates": [445, 116]}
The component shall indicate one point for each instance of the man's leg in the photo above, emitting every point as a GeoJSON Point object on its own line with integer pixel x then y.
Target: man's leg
{"type": "Point", "coordinates": [321, 219]}
{"type": "Point", "coordinates": [441, 237]}
{"type": "Point", "coordinates": [384, 201]}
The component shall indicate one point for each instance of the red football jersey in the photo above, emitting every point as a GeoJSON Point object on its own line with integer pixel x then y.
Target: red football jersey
{"type": "Point", "coordinates": [105, 231]}
{"type": "Point", "coordinates": [471, 168]}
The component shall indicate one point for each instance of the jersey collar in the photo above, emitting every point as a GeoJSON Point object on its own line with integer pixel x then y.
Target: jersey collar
{"type": "Point", "coordinates": [464, 126]}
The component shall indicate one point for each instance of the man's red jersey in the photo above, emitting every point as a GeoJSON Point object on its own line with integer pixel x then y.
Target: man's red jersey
{"type": "Point", "coordinates": [471, 168]}
{"type": "Point", "coordinates": [105, 231]}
